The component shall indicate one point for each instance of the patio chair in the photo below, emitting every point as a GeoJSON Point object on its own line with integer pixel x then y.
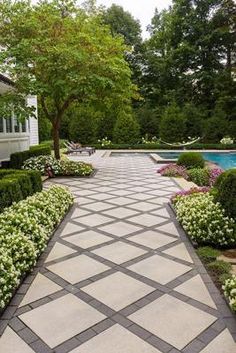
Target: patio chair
{"type": "Point", "coordinates": [72, 148]}
{"type": "Point", "coordinates": [78, 145]}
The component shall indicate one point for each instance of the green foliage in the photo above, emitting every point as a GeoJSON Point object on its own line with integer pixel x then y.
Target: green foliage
{"type": "Point", "coordinates": [80, 62]}
{"type": "Point", "coordinates": [207, 254]}
{"type": "Point", "coordinates": [216, 127]}
{"type": "Point", "coordinates": [199, 176]}
{"type": "Point", "coordinates": [82, 126]}
{"type": "Point", "coordinates": [126, 129]}
{"type": "Point", "coordinates": [17, 159]}
{"type": "Point", "coordinates": [45, 129]}
{"type": "Point", "coordinates": [172, 126]}
{"type": "Point", "coordinates": [25, 229]}
{"type": "Point", "coordinates": [229, 289]}
{"type": "Point", "coordinates": [226, 195]}
{"type": "Point", "coordinates": [219, 267]}
{"type": "Point", "coordinates": [15, 185]}
{"type": "Point", "coordinates": [205, 221]}
{"type": "Point", "coordinates": [191, 160]}
{"type": "Point", "coordinates": [50, 166]}
{"type": "Point", "coordinates": [149, 120]}
{"type": "Point", "coordinates": [122, 22]}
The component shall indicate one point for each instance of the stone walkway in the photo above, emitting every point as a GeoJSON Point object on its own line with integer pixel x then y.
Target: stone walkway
{"type": "Point", "coordinates": [119, 275]}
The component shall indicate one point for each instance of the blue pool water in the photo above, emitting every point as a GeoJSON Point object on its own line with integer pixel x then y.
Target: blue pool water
{"type": "Point", "coordinates": [225, 160]}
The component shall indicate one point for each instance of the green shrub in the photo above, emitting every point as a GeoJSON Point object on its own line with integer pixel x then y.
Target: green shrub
{"type": "Point", "coordinates": [126, 129]}
{"type": "Point", "coordinates": [205, 221]}
{"type": "Point", "coordinates": [208, 254]}
{"type": "Point", "coordinates": [25, 229]}
{"type": "Point", "coordinates": [15, 185]}
{"type": "Point", "coordinates": [199, 176]}
{"type": "Point", "coordinates": [83, 125]}
{"type": "Point", "coordinates": [226, 192]}
{"type": "Point", "coordinates": [229, 289]}
{"type": "Point", "coordinates": [219, 267]}
{"type": "Point", "coordinates": [62, 167]}
{"type": "Point", "coordinates": [173, 125]}
{"type": "Point", "coordinates": [191, 160]}
{"type": "Point", "coordinates": [17, 159]}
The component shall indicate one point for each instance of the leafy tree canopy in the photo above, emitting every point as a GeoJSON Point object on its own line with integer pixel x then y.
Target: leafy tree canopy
{"type": "Point", "coordinates": [63, 54]}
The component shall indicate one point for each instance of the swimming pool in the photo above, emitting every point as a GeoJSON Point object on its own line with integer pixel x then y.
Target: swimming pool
{"type": "Point", "coordinates": [225, 160]}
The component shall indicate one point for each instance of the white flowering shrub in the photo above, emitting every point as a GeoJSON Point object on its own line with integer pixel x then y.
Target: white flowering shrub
{"type": "Point", "coordinates": [105, 142]}
{"type": "Point", "coordinates": [229, 289]}
{"type": "Point", "coordinates": [204, 220]}
{"type": "Point", "coordinates": [25, 229]}
{"type": "Point", "coordinates": [227, 141]}
{"type": "Point", "coordinates": [9, 278]}
{"type": "Point", "coordinates": [48, 165]}
{"type": "Point", "coordinates": [41, 163]}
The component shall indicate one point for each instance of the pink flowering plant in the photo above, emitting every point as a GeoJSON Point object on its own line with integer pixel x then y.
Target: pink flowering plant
{"type": "Point", "coordinates": [173, 170]}
{"type": "Point", "coordinates": [195, 190]}
{"type": "Point", "coordinates": [213, 175]}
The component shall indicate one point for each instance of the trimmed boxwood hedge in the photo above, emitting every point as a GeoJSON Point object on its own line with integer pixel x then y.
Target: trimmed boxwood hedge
{"type": "Point", "coordinates": [153, 146]}
{"type": "Point", "coordinates": [16, 185]}
{"type": "Point", "coordinates": [17, 159]}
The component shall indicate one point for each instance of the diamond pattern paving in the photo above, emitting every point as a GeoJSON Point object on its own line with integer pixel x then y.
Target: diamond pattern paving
{"type": "Point", "coordinates": [172, 320]}
{"type": "Point", "coordinates": [119, 275]}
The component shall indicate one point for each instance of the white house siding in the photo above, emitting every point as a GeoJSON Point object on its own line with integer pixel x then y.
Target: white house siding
{"type": "Point", "coordinates": [33, 122]}
{"type": "Point", "coordinates": [15, 136]}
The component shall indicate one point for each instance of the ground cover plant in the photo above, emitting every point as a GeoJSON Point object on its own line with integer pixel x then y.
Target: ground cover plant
{"type": "Point", "coordinates": [204, 214]}
{"type": "Point", "coordinates": [25, 230]}
{"type": "Point", "coordinates": [50, 166]}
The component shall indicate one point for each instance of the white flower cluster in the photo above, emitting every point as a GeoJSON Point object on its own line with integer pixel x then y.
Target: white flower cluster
{"type": "Point", "coordinates": [25, 229]}
{"type": "Point", "coordinates": [146, 141]}
{"type": "Point", "coordinates": [41, 163]}
{"type": "Point", "coordinates": [63, 167]}
{"type": "Point", "coordinates": [204, 220]}
{"type": "Point", "coordinates": [104, 142]}
{"type": "Point", "coordinates": [229, 289]}
{"type": "Point", "coordinates": [227, 141]}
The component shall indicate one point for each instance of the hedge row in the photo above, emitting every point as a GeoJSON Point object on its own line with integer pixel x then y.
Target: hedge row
{"type": "Point", "coordinates": [25, 230]}
{"type": "Point", "coordinates": [16, 185]}
{"type": "Point", "coordinates": [17, 159]}
{"type": "Point", "coordinates": [151, 146]}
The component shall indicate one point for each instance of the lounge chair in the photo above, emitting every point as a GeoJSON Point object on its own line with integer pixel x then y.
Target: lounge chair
{"type": "Point", "coordinates": [72, 148]}
{"type": "Point", "coordinates": [78, 145]}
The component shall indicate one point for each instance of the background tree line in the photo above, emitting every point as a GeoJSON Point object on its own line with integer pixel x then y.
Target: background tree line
{"type": "Point", "coordinates": [185, 73]}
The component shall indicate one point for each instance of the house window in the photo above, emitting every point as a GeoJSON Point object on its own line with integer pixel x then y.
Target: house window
{"type": "Point", "coordinates": [1, 125]}
{"type": "Point", "coordinates": [8, 125]}
{"type": "Point", "coordinates": [23, 126]}
{"type": "Point", "coordinates": [16, 125]}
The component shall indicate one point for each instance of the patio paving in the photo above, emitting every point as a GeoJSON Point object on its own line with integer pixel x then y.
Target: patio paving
{"type": "Point", "coordinates": [119, 275]}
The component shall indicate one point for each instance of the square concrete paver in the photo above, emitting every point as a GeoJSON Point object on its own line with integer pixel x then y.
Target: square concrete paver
{"type": "Point", "coordinates": [98, 206]}
{"type": "Point", "coordinates": [123, 290]}
{"type": "Point", "coordinates": [78, 268]}
{"type": "Point", "coordinates": [161, 212]}
{"type": "Point", "coordinates": [196, 289]}
{"type": "Point", "coordinates": [120, 228]}
{"type": "Point", "coordinates": [152, 239]}
{"type": "Point", "coordinates": [10, 342]}
{"type": "Point", "coordinates": [120, 212]}
{"type": "Point", "coordinates": [147, 220]}
{"type": "Point", "coordinates": [79, 212]}
{"type": "Point", "coordinates": [224, 343]}
{"type": "Point", "coordinates": [159, 269]}
{"type": "Point", "coordinates": [172, 320]}
{"type": "Point", "coordinates": [180, 252]}
{"type": "Point", "coordinates": [169, 228]}
{"type": "Point", "coordinates": [119, 252]}
{"type": "Point", "coordinates": [61, 319]}
{"type": "Point", "coordinates": [41, 287]}
{"type": "Point", "coordinates": [94, 220]}
{"type": "Point", "coordinates": [87, 239]}
{"type": "Point", "coordinates": [59, 250]}
{"type": "Point", "coordinates": [71, 228]}
{"type": "Point", "coordinates": [121, 201]}
{"type": "Point", "coordinates": [143, 206]}
{"type": "Point", "coordinates": [116, 340]}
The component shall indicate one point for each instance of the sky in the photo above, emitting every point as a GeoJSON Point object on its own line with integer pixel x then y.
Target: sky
{"type": "Point", "coordinates": [140, 9]}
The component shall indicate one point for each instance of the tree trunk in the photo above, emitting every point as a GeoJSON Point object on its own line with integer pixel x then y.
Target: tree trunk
{"type": "Point", "coordinates": [56, 140]}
